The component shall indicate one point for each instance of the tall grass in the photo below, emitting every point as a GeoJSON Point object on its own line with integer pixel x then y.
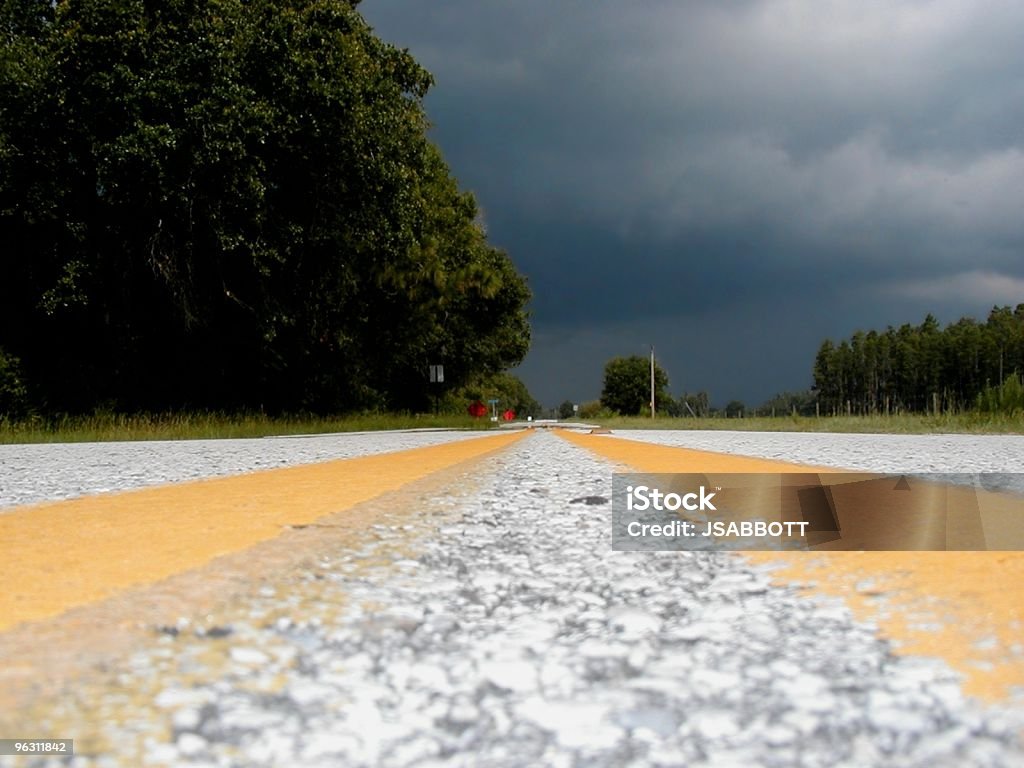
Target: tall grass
{"type": "Point", "coordinates": [972, 422]}
{"type": "Point", "coordinates": [105, 426]}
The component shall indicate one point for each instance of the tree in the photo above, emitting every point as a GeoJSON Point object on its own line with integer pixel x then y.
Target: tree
{"type": "Point", "coordinates": [627, 385]}
{"type": "Point", "coordinates": [924, 368]}
{"type": "Point", "coordinates": [698, 404]}
{"type": "Point", "coordinates": [234, 204]}
{"type": "Point", "coordinates": [787, 403]}
{"type": "Point", "coordinates": [509, 390]}
{"type": "Point", "coordinates": [962, 361]}
{"type": "Point", "coordinates": [1005, 331]}
{"type": "Point", "coordinates": [565, 410]}
{"type": "Point", "coordinates": [734, 409]}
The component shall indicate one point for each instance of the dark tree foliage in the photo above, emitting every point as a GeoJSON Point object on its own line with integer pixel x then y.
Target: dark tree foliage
{"type": "Point", "coordinates": [627, 385]}
{"type": "Point", "coordinates": [220, 203]}
{"type": "Point", "coordinates": [510, 392]}
{"type": "Point", "coordinates": [735, 409]}
{"type": "Point", "coordinates": [788, 403]}
{"type": "Point", "coordinates": [921, 368]}
{"type": "Point", "coordinates": [13, 392]}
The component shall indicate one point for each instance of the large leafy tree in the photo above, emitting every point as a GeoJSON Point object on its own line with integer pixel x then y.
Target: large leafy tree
{"type": "Point", "coordinates": [228, 203]}
{"type": "Point", "coordinates": [627, 385]}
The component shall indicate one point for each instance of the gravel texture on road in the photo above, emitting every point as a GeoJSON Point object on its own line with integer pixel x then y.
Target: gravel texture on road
{"type": "Point", "coordinates": [51, 471]}
{"type": "Point", "coordinates": [872, 453]}
{"type": "Point", "coordinates": [512, 635]}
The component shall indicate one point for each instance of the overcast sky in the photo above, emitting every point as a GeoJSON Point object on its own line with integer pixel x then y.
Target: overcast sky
{"type": "Point", "coordinates": [731, 181]}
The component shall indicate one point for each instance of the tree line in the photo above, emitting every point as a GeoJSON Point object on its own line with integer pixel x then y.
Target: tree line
{"type": "Point", "coordinates": [233, 204]}
{"type": "Point", "coordinates": [920, 368]}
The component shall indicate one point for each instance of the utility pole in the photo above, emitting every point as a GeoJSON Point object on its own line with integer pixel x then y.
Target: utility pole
{"type": "Point", "coordinates": [652, 381]}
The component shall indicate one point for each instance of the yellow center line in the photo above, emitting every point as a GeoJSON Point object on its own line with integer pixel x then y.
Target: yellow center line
{"type": "Point", "coordinates": [964, 607]}
{"type": "Point", "coordinates": [648, 457]}
{"type": "Point", "coordinates": [64, 554]}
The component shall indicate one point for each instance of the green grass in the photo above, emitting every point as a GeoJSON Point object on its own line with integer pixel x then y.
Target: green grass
{"type": "Point", "coordinates": [103, 427]}
{"type": "Point", "coordinates": [910, 424]}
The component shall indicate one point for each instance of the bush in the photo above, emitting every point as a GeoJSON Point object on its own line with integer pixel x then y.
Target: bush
{"type": "Point", "coordinates": [1007, 398]}
{"type": "Point", "coordinates": [13, 392]}
{"type": "Point", "coordinates": [594, 410]}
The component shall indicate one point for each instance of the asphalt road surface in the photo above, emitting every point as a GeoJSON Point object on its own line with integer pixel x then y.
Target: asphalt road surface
{"type": "Point", "coordinates": [481, 618]}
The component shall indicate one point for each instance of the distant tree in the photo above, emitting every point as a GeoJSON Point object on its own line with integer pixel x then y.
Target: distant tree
{"type": "Point", "coordinates": [671, 407]}
{"type": "Point", "coordinates": [508, 390]}
{"type": "Point", "coordinates": [734, 409]}
{"type": "Point", "coordinates": [627, 385]}
{"type": "Point", "coordinates": [1006, 341]}
{"type": "Point", "coordinates": [565, 410]}
{"type": "Point", "coordinates": [826, 379]}
{"type": "Point", "coordinates": [697, 404]}
{"type": "Point", "coordinates": [923, 368]}
{"type": "Point", "coordinates": [786, 403]}
{"type": "Point", "coordinates": [517, 396]}
{"type": "Point", "coordinates": [963, 361]}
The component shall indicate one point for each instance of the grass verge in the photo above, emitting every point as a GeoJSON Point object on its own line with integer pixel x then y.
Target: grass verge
{"type": "Point", "coordinates": [910, 424]}
{"type": "Point", "coordinates": [102, 427]}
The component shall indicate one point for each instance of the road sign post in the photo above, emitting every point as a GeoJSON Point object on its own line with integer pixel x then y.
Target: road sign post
{"type": "Point", "coordinates": [436, 377]}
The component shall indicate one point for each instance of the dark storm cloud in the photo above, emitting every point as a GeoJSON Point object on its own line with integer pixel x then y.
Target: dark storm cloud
{"type": "Point", "coordinates": [798, 168]}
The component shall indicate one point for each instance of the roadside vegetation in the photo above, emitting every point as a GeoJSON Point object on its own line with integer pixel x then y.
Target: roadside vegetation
{"type": "Point", "coordinates": [233, 207]}
{"type": "Point", "coordinates": [925, 368]}
{"type": "Point", "coordinates": [910, 424]}
{"type": "Point", "coordinates": [966, 377]}
{"type": "Point", "coordinates": [103, 427]}
{"type": "Point", "coordinates": [449, 411]}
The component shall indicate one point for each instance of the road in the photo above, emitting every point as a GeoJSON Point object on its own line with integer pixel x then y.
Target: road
{"type": "Point", "coordinates": [477, 615]}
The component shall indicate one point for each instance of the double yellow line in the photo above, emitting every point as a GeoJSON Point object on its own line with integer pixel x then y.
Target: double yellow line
{"type": "Point", "coordinates": [59, 555]}
{"type": "Point", "coordinates": [967, 607]}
